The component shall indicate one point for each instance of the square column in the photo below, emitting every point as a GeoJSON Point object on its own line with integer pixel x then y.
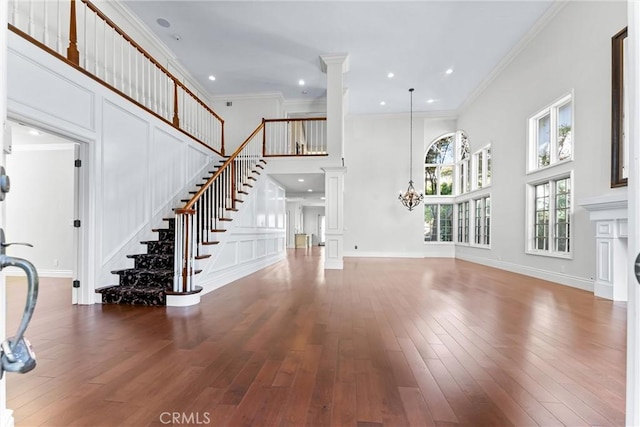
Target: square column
{"type": "Point", "coordinates": [335, 65]}
{"type": "Point", "coordinates": [334, 217]}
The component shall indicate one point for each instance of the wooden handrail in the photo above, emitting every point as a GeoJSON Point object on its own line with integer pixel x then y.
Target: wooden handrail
{"type": "Point", "coordinates": [296, 119]}
{"type": "Point", "coordinates": [148, 56]}
{"type": "Point", "coordinates": [194, 199]}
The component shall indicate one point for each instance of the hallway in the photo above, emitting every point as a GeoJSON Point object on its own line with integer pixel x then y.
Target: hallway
{"type": "Point", "coordinates": [388, 342]}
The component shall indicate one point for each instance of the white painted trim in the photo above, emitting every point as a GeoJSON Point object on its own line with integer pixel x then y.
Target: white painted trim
{"type": "Point", "coordinates": [225, 276]}
{"type": "Point", "coordinates": [183, 300]}
{"type": "Point", "coordinates": [551, 12]}
{"type": "Point", "coordinates": [358, 254]}
{"type": "Point", "coordinates": [7, 418]}
{"type": "Point", "coordinates": [249, 96]}
{"type": "Point", "coordinates": [42, 147]}
{"type": "Point", "coordinates": [551, 276]}
{"type": "Point", "coordinates": [603, 290]}
{"type": "Point", "coordinates": [17, 272]}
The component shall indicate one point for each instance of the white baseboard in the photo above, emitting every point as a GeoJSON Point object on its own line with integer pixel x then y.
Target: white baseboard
{"type": "Point", "coordinates": [7, 418]}
{"type": "Point", "coordinates": [551, 276]}
{"type": "Point", "coordinates": [183, 300]}
{"type": "Point", "coordinates": [18, 272]}
{"type": "Point", "coordinates": [225, 276]}
{"type": "Point", "coordinates": [357, 254]}
{"type": "Point", "coordinates": [603, 290]}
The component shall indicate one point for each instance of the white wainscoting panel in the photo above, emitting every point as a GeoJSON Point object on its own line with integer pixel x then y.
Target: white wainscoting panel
{"type": "Point", "coordinates": [125, 207]}
{"type": "Point", "coordinates": [167, 168]}
{"type": "Point", "coordinates": [40, 88]}
{"type": "Point", "coordinates": [245, 252]}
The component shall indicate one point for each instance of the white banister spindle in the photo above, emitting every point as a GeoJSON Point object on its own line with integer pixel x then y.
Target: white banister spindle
{"type": "Point", "coordinates": [45, 30]}
{"type": "Point", "coordinates": [30, 28]}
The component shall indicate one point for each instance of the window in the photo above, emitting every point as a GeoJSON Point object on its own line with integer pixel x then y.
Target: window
{"type": "Point", "coordinates": [550, 227]}
{"type": "Point", "coordinates": [482, 165]}
{"type": "Point", "coordinates": [439, 162]}
{"type": "Point", "coordinates": [482, 221]}
{"type": "Point", "coordinates": [463, 222]}
{"type": "Point", "coordinates": [464, 164]}
{"type": "Point", "coordinates": [551, 135]}
{"type": "Point", "coordinates": [438, 223]}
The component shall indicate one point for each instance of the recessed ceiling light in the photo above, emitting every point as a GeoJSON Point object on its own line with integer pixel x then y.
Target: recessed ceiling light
{"type": "Point", "coordinates": [300, 180]}
{"type": "Point", "coordinates": [383, 103]}
{"type": "Point", "coordinates": [310, 190]}
{"type": "Point", "coordinates": [163, 22]}
{"type": "Point", "coordinates": [34, 132]}
{"type": "Point", "coordinates": [212, 77]}
{"type": "Point", "coordinates": [322, 198]}
{"type": "Point", "coordinates": [301, 82]}
{"type": "Point", "coordinates": [390, 75]}
{"type": "Point", "coordinates": [430, 101]}
{"type": "Point", "coordinates": [449, 71]}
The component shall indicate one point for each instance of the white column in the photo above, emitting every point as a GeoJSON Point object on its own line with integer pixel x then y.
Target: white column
{"type": "Point", "coordinates": [335, 65]}
{"type": "Point", "coordinates": [632, 70]}
{"type": "Point", "coordinates": [334, 217]}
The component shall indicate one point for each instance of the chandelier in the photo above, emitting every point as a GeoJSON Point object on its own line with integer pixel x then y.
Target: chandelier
{"type": "Point", "coordinates": [410, 198]}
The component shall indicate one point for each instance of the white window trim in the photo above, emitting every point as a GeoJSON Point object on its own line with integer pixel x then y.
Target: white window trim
{"type": "Point", "coordinates": [532, 142]}
{"type": "Point", "coordinates": [441, 200]}
{"type": "Point", "coordinates": [474, 169]}
{"type": "Point", "coordinates": [473, 215]}
{"type": "Point", "coordinates": [530, 217]}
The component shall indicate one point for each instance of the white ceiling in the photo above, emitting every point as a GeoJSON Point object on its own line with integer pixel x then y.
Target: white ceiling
{"type": "Point", "coordinates": [267, 46]}
{"type": "Point", "coordinates": [299, 191]}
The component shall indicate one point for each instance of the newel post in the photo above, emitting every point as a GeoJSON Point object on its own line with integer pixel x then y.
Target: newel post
{"type": "Point", "coordinates": [264, 138]}
{"type": "Point", "coordinates": [176, 118]}
{"type": "Point", "coordinates": [184, 250]}
{"type": "Point", "coordinates": [73, 54]}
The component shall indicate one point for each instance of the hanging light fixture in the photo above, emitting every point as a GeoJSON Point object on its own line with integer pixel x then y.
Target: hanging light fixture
{"type": "Point", "coordinates": [410, 198]}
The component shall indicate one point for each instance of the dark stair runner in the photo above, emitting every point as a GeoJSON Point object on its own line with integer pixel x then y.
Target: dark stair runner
{"type": "Point", "coordinates": [151, 278]}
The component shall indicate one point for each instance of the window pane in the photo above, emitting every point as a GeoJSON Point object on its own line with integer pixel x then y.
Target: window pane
{"type": "Point", "coordinates": [541, 217]}
{"type": "Point", "coordinates": [460, 223]}
{"type": "Point", "coordinates": [487, 220]}
{"type": "Point", "coordinates": [488, 166]}
{"type": "Point", "coordinates": [562, 215]}
{"type": "Point", "coordinates": [564, 132]}
{"type": "Point", "coordinates": [477, 238]}
{"type": "Point", "coordinates": [466, 222]}
{"type": "Point", "coordinates": [430, 226]}
{"type": "Point", "coordinates": [464, 146]}
{"type": "Point", "coordinates": [441, 151]}
{"type": "Point", "coordinates": [544, 134]}
{"type": "Point", "coordinates": [446, 223]}
{"type": "Point", "coordinates": [479, 163]}
{"type": "Point", "coordinates": [446, 180]}
{"type": "Point", "coordinates": [430, 181]}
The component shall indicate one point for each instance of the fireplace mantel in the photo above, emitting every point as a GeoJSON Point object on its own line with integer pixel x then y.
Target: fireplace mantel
{"type": "Point", "coordinates": [610, 213]}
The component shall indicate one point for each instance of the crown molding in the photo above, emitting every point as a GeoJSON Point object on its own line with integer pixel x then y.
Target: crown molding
{"type": "Point", "coordinates": [334, 58]}
{"type": "Point", "coordinates": [540, 24]}
{"type": "Point", "coordinates": [248, 96]}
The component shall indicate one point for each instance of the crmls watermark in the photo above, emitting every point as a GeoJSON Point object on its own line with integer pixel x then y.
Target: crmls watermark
{"type": "Point", "coordinates": [190, 418]}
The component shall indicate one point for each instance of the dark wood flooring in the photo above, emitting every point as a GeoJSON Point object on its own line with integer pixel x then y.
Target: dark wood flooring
{"type": "Point", "coordinates": [385, 342]}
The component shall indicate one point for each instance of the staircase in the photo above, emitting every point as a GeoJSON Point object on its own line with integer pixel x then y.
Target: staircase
{"type": "Point", "coordinates": [168, 267]}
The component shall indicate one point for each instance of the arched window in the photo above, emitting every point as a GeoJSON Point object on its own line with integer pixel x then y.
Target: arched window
{"type": "Point", "coordinates": [438, 166]}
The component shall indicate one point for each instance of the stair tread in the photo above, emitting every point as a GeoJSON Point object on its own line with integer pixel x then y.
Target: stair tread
{"type": "Point", "coordinates": [203, 256]}
{"type": "Point", "coordinates": [150, 255]}
{"type": "Point", "coordinates": [144, 270]}
{"type": "Point", "coordinates": [225, 219]}
{"type": "Point", "coordinates": [161, 229]}
{"type": "Point", "coordinates": [218, 230]}
{"type": "Point", "coordinates": [211, 243]}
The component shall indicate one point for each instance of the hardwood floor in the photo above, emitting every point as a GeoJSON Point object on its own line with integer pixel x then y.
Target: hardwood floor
{"type": "Point", "coordinates": [385, 342]}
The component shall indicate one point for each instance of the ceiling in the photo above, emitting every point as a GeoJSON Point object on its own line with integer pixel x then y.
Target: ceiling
{"type": "Point", "coordinates": [257, 47]}
{"type": "Point", "coordinates": [254, 47]}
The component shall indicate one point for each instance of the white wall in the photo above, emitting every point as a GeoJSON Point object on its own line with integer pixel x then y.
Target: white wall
{"type": "Point", "coordinates": [40, 206]}
{"type": "Point", "coordinates": [377, 161]}
{"type": "Point", "coordinates": [244, 116]}
{"type": "Point", "coordinates": [136, 168]}
{"type": "Point", "coordinates": [311, 214]}
{"type": "Point", "coordinates": [255, 238]}
{"type": "Point", "coordinates": [571, 53]}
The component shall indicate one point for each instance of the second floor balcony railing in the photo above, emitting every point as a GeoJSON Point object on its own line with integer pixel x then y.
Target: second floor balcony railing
{"type": "Point", "coordinates": [80, 34]}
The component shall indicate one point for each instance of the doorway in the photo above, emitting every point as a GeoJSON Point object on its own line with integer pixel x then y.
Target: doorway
{"type": "Point", "coordinates": [321, 225]}
{"type": "Point", "coordinates": [43, 204]}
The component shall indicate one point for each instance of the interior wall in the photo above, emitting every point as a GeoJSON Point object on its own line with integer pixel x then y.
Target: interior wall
{"type": "Point", "coordinates": [571, 53]}
{"type": "Point", "coordinates": [296, 222]}
{"type": "Point", "coordinates": [244, 115]}
{"type": "Point", "coordinates": [310, 221]}
{"type": "Point", "coordinates": [377, 161]}
{"type": "Point", "coordinates": [39, 207]}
